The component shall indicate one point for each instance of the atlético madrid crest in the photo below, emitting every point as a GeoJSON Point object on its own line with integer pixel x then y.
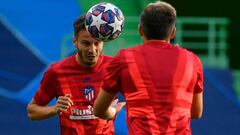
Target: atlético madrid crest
{"type": "Point", "coordinates": [89, 92]}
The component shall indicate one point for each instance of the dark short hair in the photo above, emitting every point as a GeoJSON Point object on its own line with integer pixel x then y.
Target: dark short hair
{"type": "Point", "coordinates": [157, 20]}
{"type": "Point", "coordinates": [79, 25]}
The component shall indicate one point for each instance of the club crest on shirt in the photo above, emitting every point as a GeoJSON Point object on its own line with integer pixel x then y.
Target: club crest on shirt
{"type": "Point", "coordinates": [89, 92]}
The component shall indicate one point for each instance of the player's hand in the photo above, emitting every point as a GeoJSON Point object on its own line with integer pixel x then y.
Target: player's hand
{"type": "Point", "coordinates": [118, 105]}
{"type": "Point", "coordinates": [63, 103]}
{"type": "Point", "coordinates": [115, 108]}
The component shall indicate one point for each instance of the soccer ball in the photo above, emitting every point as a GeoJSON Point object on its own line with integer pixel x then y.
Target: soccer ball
{"type": "Point", "coordinates": [104, 21]}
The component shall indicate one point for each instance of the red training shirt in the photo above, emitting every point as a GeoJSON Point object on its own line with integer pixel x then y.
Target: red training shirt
{"type": "Point", "coordinates": [158, 81]}
{"type": "Point", "coordinates": [68, 77]}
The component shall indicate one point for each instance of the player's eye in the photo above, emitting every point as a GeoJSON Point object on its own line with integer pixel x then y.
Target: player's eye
{"type": "Point", "coordinates": [96, 43]}
{"type": "Point", "coordinates": [86, 43]}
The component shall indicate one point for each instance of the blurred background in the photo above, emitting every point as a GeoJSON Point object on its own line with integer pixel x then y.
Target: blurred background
{"type": "Point", "coordinates": [33, 34]}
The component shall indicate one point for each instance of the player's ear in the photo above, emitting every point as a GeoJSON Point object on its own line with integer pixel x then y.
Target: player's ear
{"type": "Point", "coordinates": [75, 42]}
{"type": "Point", "coordinates": [140, 30]}
{"type": "Point", "coordinates": [172, 35]}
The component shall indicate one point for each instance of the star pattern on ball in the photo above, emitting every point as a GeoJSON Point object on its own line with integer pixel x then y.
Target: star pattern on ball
{"type": "Point", "coordinates": [104, 38]}
{"type": "Point", "coordinates": [109, 7]}
{"type": "Point", "coordinates": [97, 21]}
{"type": "Point", "coordinates": [116, 25]}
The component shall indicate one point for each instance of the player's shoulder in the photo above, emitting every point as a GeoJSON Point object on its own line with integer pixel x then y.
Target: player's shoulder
{"type": "Point", "coordinates": [106, 58]}
{"type": "Point", "coordinates": [181, 49]}
{"type": "Point", "coordinates": [190, 53]}
{"type": "Point", "coordinates": [130, 49]}
{"type": "Point", "coordinates": [62, 63]}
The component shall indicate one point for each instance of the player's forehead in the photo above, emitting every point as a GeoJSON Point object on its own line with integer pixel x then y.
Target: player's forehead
{"type": "Point", "coordinates": [85, 36]}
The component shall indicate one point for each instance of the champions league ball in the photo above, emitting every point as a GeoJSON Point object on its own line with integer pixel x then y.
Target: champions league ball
{"type": "Point", "coordinates": [104, 21]}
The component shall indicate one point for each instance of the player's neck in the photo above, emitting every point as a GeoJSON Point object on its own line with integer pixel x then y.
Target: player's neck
{"type": "Point", "coordinates": [167, 40]}
{"type": "Point", "coordinates": [157, 40]}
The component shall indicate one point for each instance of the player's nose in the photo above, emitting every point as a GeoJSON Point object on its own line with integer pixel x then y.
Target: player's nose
{"type": "Point", "coordinates": [92, 48]}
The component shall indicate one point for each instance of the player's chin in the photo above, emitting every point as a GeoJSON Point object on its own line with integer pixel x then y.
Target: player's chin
{"type": "Point", "coordinates": [92, 61]}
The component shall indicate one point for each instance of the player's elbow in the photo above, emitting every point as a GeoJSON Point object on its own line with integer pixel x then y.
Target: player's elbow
{"type": "Point", "coordinates": [30, 113]}
{"type": "Point", "coordinates": [31, 117]}
{"type": "Point", "coordinates": [197, 106]}
{"type": "Point", "coordinates": [196, 112]}
{"type": "Point", "coordinates": [196, 115]}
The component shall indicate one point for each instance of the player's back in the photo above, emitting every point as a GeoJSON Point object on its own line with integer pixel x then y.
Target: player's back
{"type": "Point", "coordinates": [159, 98]}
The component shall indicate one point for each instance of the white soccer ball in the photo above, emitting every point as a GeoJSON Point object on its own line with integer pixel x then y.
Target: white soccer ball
{"type": "Point", "coordinates": [104, 21]}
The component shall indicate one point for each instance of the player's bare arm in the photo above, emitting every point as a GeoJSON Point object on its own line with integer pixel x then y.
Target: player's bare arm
{"type": "Point", "coordinates": [38, 112]}
{"type": "Point", "coordinates": [197, 106]}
